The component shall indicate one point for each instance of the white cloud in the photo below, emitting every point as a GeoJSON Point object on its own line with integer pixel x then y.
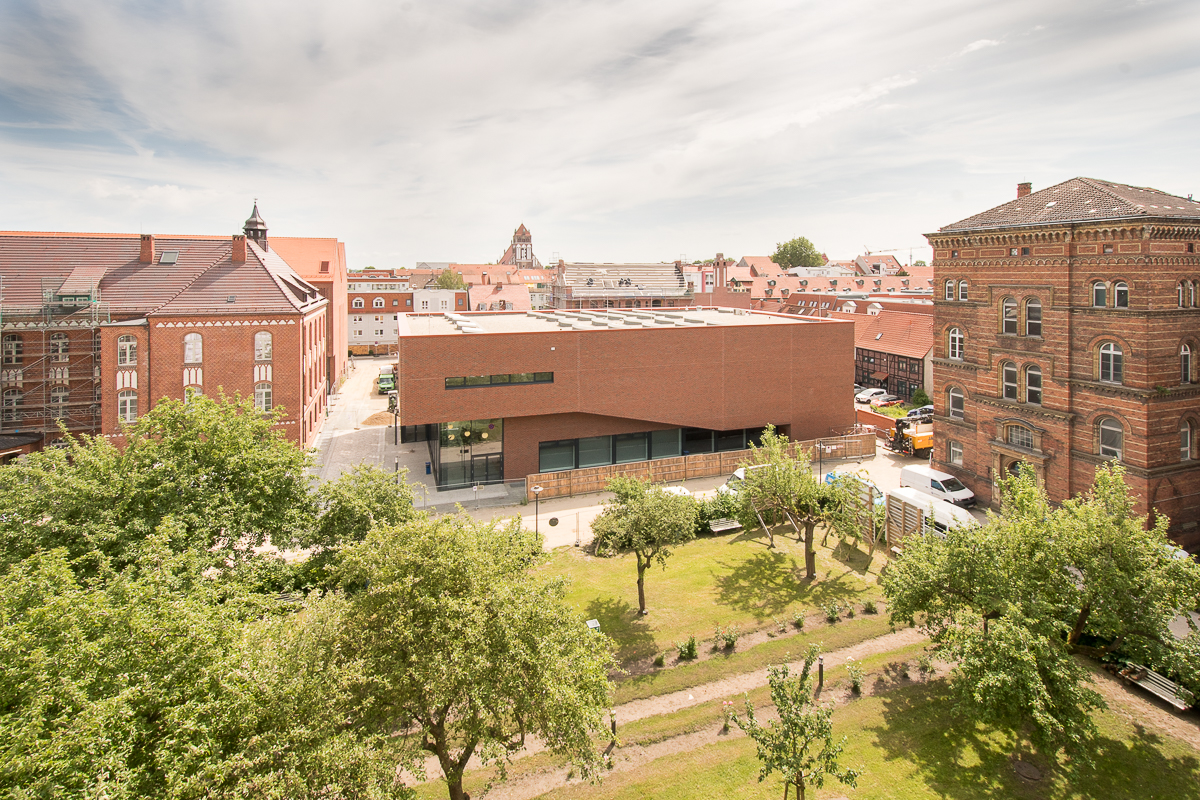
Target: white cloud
{"type": "Point", "coordinates": [978, 44]}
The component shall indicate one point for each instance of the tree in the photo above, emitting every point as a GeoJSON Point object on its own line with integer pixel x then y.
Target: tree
{"type": "Point", "coordinates": [219, 468]}
{"type": "Point", "coordinates": [461, 635]}
{"type": "Point", "coordinates": [449, 279]}
{"type": "Point", "coordinates": [787, 484]}
{"type": "Point", "coordinates": [920, 263]}
{"type": "Point", "coordinates": [1012, 602]}
{"type": "Point", "coordinates": [799, 252]}
{"type": "Point", "coordinates": [920, 398]}
{"type": "Point", "coordinates": [644, 520]}
{"type": "Point", "coordinates": [162, 683]}
{"type": "Point", "coordinates": [357, 501]}
{"type": "Point", "coordinates": [800, 743]}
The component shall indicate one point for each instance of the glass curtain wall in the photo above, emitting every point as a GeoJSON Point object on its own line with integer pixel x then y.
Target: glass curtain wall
{"type": "Point", "coordinates": [624, 448]}
{"type": "Point", "coordinates": [468, 452]}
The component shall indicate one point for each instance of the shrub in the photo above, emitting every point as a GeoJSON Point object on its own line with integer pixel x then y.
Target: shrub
{"type": "Point", "coordinates": [686, 649]}
{"type": "Point", "coordinates": [855, 673]}
{"type": "Point", "coordinates": [659, 660]}
{"type": "Point", "coordinates": [720, 506]}
{"type": "Point", "coordinates": [725, 638]}
{"type": "Point", "coordinates": [869, 607]}
{"type": "Point", "coordinates": [798, 620]}
{"type": "Point", "coordinates": [925, 663]}
{"type": "Point", "coordinates": [920, 398]}
{"type": "Point", "coordinates": [832, 612]}
{"type": "Point", "coordinates": [850, 612]}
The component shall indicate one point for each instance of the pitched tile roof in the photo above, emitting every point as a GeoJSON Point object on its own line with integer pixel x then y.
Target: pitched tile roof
{"type": "Point", "coordinates": [900, 333]}
{"type": "Point", "coordinates": [1081, 200]}
{"type": "Point", "coordinates": [515, 297]}
{"type": "Point", "coordinates": [305, 254]}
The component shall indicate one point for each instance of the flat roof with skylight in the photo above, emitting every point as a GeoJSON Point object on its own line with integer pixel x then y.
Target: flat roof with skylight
{"type": "Point", "coordinates": [591, 320]}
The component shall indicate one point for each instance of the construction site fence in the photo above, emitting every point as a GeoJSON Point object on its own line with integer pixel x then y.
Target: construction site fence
{"type": "Point", "coordinates": [700, 465]}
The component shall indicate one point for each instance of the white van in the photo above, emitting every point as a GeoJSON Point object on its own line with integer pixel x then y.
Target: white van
{"type": "Point", "coordinates": [935, 483]}
{"type": "Point", "coordinates": [910, 511]}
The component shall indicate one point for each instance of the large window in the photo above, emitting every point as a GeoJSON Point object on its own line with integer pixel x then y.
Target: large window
{"type": "Point", "coordinates": [630, 447]}
{"type": "Point", "coordinates": [193, 348]}
{"type": "Point", "coordinates": [262, 346]}
{"type": "Point", "coordinates": [1111, 363]}
{"type": "Point", "coordinates": [127, 406]}
{"type": "Point", "coordinates": [1099, 294]}
{"type": "Point", "coordinates": [1033, 385]}
{"type": "Point", "coordinates": [1008, 313]}
{"type": "Point", "coordinates": [1033, 317]}
{"type": "Point", "coordinates": [955, 453]}
{"type": "Point", "coordinates": [949, 290]}
{"type": "Point", "coordinates": [1121, 295]}
{"type": "Point", "coordinates": [1185, 364]}
{"type": "Point", "coordinates": [1185, 441]}
{"type": "Point", "coordinates": [1019, 436]}
{"type": "Point", "coordinates": [14, 349]}
{"type": "Point", "coordinates": [955, 403]}
{"type": "Point", "coordinates": [954, 346]}
{"type": "Point", "coordinates": [12, 405]}
{"type": "Point", "coordinates": [595, 451]}
{"type": "Point", "coordinates": [1111, 437]}
{"type": "Point", "coordinates": [126, 351]}
{"type": "Point", "coordinates": [60, 347]}
{"type": "Point", "coordinates": [507, 379]}
{"type": "Point", "coordinates": [1183, 294]}
{"type": "Point", "coordinates": [962, 290]}
{"type": "Point", "coordinates": [58, 400]}
{"type": "Point", "coordinates": [1008, 380]}
{"type": "Point", "coordinates": [262, 396]}
{"type": "Point", "coordinates": [556, 456]}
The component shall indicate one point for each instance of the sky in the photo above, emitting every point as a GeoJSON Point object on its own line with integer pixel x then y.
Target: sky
{"type": "Point", "coordinates": [615, 130]}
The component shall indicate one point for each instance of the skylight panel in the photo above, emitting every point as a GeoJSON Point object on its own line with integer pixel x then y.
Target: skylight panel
{"type": "Point", "coordinates": [168, 257]}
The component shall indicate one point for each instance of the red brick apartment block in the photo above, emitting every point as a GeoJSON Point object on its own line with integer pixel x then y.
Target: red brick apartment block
{"type": "Point", "coordinates": [1067, 324]}
{"type": "Point", "coordinates": [99, 327]}
{"type": "Point", "coordinates": [506, 395]}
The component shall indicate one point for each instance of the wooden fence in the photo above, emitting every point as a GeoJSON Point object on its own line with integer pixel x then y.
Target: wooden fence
{"type": "Point", "coordinates": [682, 468]}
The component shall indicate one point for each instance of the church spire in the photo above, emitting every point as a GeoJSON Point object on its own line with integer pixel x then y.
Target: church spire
{"type": "Point", "coordinates": [256, 227]}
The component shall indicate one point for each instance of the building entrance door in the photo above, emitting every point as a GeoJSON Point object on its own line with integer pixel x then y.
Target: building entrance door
{"type": "Point", "coordinates": [487, 468]}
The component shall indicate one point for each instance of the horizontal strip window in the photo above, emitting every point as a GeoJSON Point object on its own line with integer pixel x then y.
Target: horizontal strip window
{"type": "Point", "coordinates": [470, 381]}
{"type": "Point", "coordinates": [625, 448]}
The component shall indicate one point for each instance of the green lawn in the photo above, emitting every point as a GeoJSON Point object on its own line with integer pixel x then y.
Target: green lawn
{"type": "Point", "coordinates": [721, 580]}
{"type": "Point", "coordinates": [911, 747]}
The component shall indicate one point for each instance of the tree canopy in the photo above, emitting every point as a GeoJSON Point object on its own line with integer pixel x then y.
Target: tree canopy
{"type": "Point", "coordinates": [798, 252]}
{"type": "Point", "coordinates": [645, 520]}
{"type": "Point", "coordinates": [479, 649]}
{"type": "Point", "coordinates": [449, 279]}
{"type": "Point", "coordinates": [1012, 602]}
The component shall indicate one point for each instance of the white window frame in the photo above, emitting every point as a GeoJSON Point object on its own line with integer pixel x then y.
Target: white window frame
{"type": "Point", "coordinates": [952, 394]}
{"type": "Point", "coordinates": [1009, 388]}
{"type": "Point", "coordinates": [193, 348]}
{"type": "Point", "coordinates": [263, 397]}
{"type": "Point", "coordinates": [1033, 327]}
{"type": "Point", "coordinates": [955, 344]}
{"type": "Point", "coordinates": [358, 303]}
{"type": "Point", "coordinates": [1112, 363]}
{"type": "Point", "coordinates": [377, 302]}
{"type": "Point", "coordinates": [1099, 294]}
{"type": "Point", "coordinates": [1009, 323]}
{"type": "Point", "coordinates": [1033, 388]}
{"type": "Point", "coordinates": [1111, 426]}
{"type": "Point", "coordinates": [1185, 363]}
{"type": "Point", "coordinates": [127, 406]}
{"type": "Point", "coordinates": [1186, 438]}
{"type": "Point", "coordinates": [963, 291]}
{"type": "Point", "coordinates": [1120, 294]}
{"type": "Point", "coordinates": [955, 453]}
{"type": "Point", "coordinates": [127, 347]}
{"type": "Point", "coordinates": [263, 346]}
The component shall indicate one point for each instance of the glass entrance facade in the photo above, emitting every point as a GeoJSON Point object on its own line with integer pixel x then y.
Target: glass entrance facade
{"type": "Point", "coordinates": [468, 452]}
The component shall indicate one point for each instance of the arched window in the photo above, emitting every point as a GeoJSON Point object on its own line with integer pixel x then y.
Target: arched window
{"type": "Point", "coordinates": [127, 409]}
{"type": "Point", "coordinates": [262, 396]}
{"type": "Point", "coordinates": [1111, 437]}
{"type": "Point", "coordinates": [1121, 295]}
{"type": "Point", "coordinates": [1185, 364]}
{"type": "Point", "coordinates": [60, 346]}
{"type": "Point", "coordinates": [1033, 317]}
{"type": "Point", "coordinates": [14, 348]}
{"type": "Point", "coordinates": [1008, 380]}
{"type": "Point", "coordinates": [949, 290]}
{"type": "Point", "coordinates": [126, 351]}
{"type": "Point", "coordinates": [962, 290]}
{"type": "Point", "coordinates": [1099, 294]}
{"type": "Point", "coordinates": [1008, 316]}
{"type": "Point", "coordinates": [193, 348]}
{"type": "Point", "coordinates": [1192, 294]}
{"type": "Point", "coordinates": [12, 405]}
{"type": "Point", "coordinates": [358, 303]}
{"type": "Point", "coordinates": [58, 400]}
{"type": "Point", "coordinates": [262, 346]}
{"type": "Point", "coordinates": [954, 344]}
{"type": "Point", "coordinates": [1033, 385]}
{"type": "Point", "coordinates": [1182, 289]}
{"type": "Point", "coordinates": [1111, 363]}
{"type": "Point", "coordinates": [1185, 441]}
{"type": "Point", "coordinates": [377, 302]}
{"type": "Point", "coordinates": [955, 403]}
{"type": "Point", "coordinates": [1020, 436]}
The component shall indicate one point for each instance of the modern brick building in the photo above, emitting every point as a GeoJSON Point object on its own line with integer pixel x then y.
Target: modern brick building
{"type": "Point", "coordinates": [1067, 324]}
{"type": "Point", "coordinates": [98, 327]}
{"type": "Point", "coordinates": [506, 395]}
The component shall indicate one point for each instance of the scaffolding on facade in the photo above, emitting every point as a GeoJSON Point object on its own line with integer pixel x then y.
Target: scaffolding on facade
{"type": "Point", "coordinates": [50, 370]}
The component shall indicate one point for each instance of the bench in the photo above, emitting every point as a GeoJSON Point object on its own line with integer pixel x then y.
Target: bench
{"type": "Point", "coordinates": [724, 525]}
{"type": "Point", "coordinates": [1154, 683]}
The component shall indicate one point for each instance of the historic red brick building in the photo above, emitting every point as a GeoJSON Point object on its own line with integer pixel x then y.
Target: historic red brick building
{"type": "Point", "coordinates": [1067, 323]}
{"type": "Point", "coordinates": [98, 327]}
{"type": "Point", "coordinates": [322, 262]}
{"type": "Point", "coordinates": [508, 394]}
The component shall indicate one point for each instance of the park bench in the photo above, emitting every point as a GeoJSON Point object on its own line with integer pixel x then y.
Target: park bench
{"type": "Point", "coordinates": [724, 525]}
{"type": "Point", "coordinates": [1154, 683]}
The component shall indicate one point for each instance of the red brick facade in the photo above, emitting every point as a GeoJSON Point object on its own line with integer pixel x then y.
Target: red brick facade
{"type": "Point", "coordinates": [1110, 350]}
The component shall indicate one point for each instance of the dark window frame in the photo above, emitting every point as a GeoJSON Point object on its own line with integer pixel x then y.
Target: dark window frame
{"type": "Point", "coordinates": [502, 379]}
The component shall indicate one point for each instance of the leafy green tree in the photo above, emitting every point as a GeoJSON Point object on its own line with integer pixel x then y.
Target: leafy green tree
{"type": "Point", "coordinates": [799, 745]}
{"type": "Point", "coordinates": [449, 279]}
{"type": "Point", "coordinates": [799, 252]}
{"type": "Point", "coordinates": [356, 502]}
{"type": "Point", "coordinates": [644, 520]}
{"type": "Point", "coordinates": [920, 398]}
{"type": "Point", "coordinates": [459, 633]}
{"type": "Point", "coordinates": [162, 683]}
{"type": "Point", "coordinates": [1011, 603]}
{"type": "Point", "coordinates": [920, 263]}
{"type": "Point", "coordinates": [220, 469]}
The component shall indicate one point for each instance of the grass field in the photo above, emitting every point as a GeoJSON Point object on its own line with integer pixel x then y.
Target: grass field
{"type": "Point", "coordinates": [720, 580]}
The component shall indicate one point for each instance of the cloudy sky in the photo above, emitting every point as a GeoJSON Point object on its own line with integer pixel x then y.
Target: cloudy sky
{"type": "Point", "coordinates": [616, 130]}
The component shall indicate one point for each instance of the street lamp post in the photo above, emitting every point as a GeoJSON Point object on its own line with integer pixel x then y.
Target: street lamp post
{"type": "Point", "coordinates": [537, 491]}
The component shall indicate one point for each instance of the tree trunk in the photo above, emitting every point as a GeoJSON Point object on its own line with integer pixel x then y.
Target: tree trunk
{"type": "Point", "coordinates": [641, 582]}
{"type": "Point", "coordinates": [1080, 622]}
{"type": "Point", "coordinates": [810, 564]}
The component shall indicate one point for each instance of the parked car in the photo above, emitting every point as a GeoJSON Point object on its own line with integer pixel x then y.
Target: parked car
{"type": "Point", "coordinates": [923, 411]}
{"type": "Point", "coordinates": [734, 484]}
{"type": "Point", "coordinates": [856, 481]}
{"type": "Point", "coordinates": [682, 490]}
{"type": "Point", "coordinates": [867, 395]}
{"type": "Point", "coordinates": [857, 389]}
{"type": "Point", "coordinates": [936, 483]}
{"type": "Point", "coordinates": [885, 400]}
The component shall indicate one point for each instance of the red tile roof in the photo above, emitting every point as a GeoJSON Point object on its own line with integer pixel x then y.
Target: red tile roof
{"type": "Point", "coordinates": [900, 333]}
{"type": "Point", "coordinates": [305, 255]}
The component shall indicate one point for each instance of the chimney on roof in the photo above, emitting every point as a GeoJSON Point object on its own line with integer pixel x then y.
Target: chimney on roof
{"type": "Point", "coordinates": [1024, 189]}
{"type": "Point", "coordinates": [239, 249]}
{"type": "Point", "coordinates": [147, 254]}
